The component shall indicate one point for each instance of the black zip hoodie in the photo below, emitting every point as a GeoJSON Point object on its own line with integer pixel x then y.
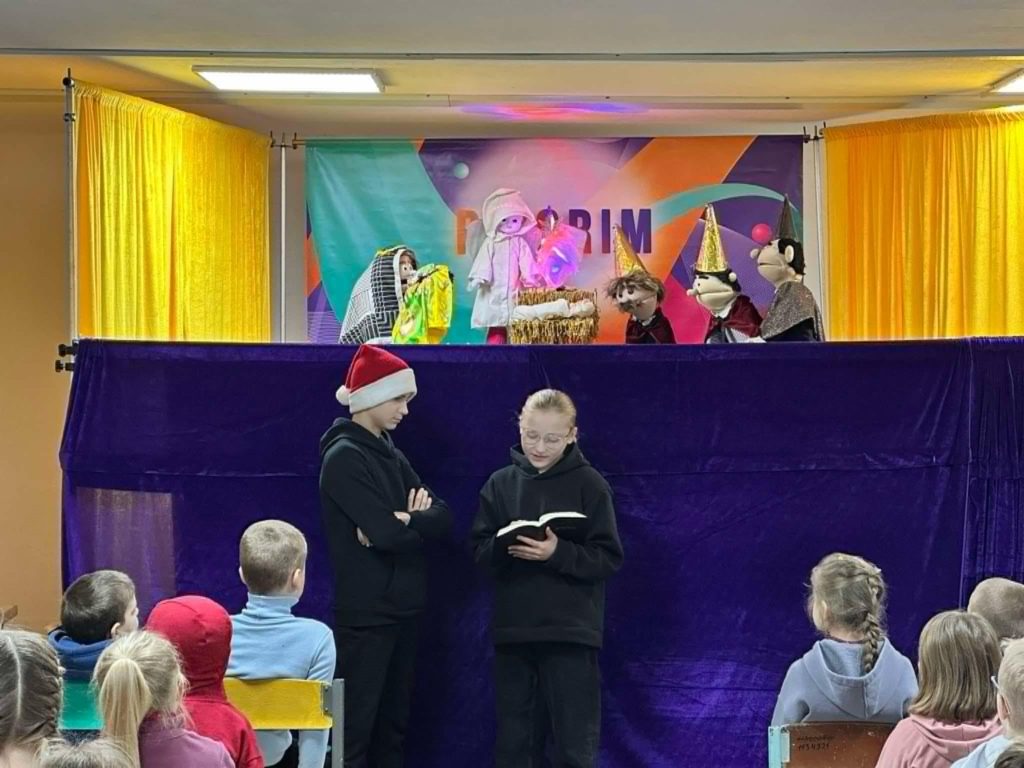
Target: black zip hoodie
{"type": "Point", "coordinates": [561, 600]}
{"type": "Point", "coordinates": [364, 480]}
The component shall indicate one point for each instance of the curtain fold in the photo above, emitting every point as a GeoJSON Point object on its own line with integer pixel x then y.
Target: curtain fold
{"type": "Point", "coordinates": [926, 227]}
{"type": "Point", "coordinates": [172, 217]}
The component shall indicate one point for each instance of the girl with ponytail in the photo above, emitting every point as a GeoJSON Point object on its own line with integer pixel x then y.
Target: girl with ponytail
{"type": "Point", "coordinates": [141, 688]}
{"type": "Point", "coordinates": [854, 672]}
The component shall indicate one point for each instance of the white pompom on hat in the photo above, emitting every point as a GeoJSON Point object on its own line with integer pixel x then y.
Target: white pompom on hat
{"type": "Point", "coordinates": [374, 377]}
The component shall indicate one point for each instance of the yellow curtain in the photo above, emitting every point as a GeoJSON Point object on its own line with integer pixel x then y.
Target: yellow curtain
{"type": "Point", "coordinates": [172, 223]}
{"type": "Point", "coordinates": [926, 227]}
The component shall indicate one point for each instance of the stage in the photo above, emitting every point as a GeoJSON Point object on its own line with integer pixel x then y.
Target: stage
{"type": "Point", "coordinates": [735, 469]}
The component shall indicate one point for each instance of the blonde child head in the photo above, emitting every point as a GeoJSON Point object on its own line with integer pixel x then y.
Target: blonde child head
{"type": "Point", "coordinates": [1010, 699]}
{"type": "Point", "coordinates": [958, 654]}
{"type": "Point", "coordinates": [136, 675]}
{"type": "Point", "coordinates": [847, 598]}
{"type": "Point", "coordinates": [547, 425]}
{"type": "Point", "coordinates": [1001, 602]}
{"type": "Point", "coordinates": [97, 753]}
{"type": "Point", "coordinates": [550, 401]}
{"type": "Point", "coordinates": [31, 691]}
{"type": "Point", "coordinates": [272, 557]}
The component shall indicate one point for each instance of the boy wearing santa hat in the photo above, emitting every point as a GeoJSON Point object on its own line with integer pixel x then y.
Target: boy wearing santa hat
{"type": "Point", "coordinates": [378, 517]}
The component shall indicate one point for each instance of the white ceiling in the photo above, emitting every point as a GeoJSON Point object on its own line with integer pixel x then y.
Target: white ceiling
{"type": "Point", "coordinates": [476, 68]}
{"type": "Point", "coordinates": [526, 26]}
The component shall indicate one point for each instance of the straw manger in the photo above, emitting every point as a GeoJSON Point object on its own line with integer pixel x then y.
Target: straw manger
{"type": "Point", "coordinates": [555, 330]}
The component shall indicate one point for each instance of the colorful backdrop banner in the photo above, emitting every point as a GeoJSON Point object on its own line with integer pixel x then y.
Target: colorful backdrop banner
{"type": "Point", "coordinates": [364, 195]}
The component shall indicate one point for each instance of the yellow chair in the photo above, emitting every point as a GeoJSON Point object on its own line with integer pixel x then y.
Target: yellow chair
{"type": "Point", "coordinates": [835, 745]}
{"type": "Point", "coordinates": [293, 705]}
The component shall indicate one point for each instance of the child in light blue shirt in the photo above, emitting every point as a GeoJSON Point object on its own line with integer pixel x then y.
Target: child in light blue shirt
{"type": "Point", "coordinates": [268, 642]}
{"type": "Point", "coordinates": [1010, 706]}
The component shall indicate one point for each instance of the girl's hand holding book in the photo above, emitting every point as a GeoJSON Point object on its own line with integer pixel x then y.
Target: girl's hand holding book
{"type": "Point", "coordinates": [530, 549]}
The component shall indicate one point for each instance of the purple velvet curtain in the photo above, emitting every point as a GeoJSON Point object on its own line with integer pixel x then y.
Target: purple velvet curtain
{"type": "Point", "coordinates": [735, 469]}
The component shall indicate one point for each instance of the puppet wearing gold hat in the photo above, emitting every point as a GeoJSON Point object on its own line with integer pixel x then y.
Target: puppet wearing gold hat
{"type": "Point", "coordinates": [639, 293]}
{"type": "Point", "coordinates": [734, 318]}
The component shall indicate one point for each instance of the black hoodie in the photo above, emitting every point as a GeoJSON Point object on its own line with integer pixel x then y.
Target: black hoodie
{"type": "Point", "coordinates": [364, 480]}
{"type": "Point", "coordinates": [561, 600]}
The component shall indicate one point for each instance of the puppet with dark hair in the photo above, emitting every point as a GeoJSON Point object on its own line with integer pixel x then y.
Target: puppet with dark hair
{"type": "Point", "coordinates": [638, 292]}
{"type": "Point", "coordinates": [734, 318]}
{"type": "Point", "coordinates": [793, 314]}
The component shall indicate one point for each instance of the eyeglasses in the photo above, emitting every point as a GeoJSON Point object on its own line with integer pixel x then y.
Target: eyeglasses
{"type": "Point", "coordinates": [532, 438]}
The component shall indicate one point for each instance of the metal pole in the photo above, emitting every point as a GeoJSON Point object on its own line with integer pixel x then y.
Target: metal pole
{"type": "Point", "coordinates": [338, 723]}
{"type": "Point", "coordinates": [819, 159]}
{"type": "Point", "coordinates": [283, 281]}
{"type": "Point", "coordinates": [70, 211]}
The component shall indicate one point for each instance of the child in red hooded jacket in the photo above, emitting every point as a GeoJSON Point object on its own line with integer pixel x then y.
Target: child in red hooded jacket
{"type": "Point", "coordinates": [201, 631]}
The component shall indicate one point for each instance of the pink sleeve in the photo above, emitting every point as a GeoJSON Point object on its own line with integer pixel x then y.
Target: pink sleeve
{"type": "Point", "coordinates": [223, 757]}
{"type": "Point", "coordinates": [896, 752]}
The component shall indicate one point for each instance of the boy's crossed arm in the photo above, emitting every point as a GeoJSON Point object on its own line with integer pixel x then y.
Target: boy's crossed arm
{"type": "Point", "coordinates": [356, 493]}
{"type": "Point", "coordinates": [432, 522]}
{"type": "Point", "coordinates": [428, 515]}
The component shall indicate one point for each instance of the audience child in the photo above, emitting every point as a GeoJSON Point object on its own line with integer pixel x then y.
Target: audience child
{"type": "Point", "coordinates": [272, 555]}
{"type": "Point", "coordinates": [96, 608]}
{"type": "Point", "coordinates": [97, 753]}
{"type": "Point", "coordinates": [30, 697]}
{"type": "Point", "coordinates": [954, 711]}
{"type": "Point", "coordinates": [201, 632]}
{"type": "Point", "coordinates": [1001, 602]}
{"type": "Point", "coordinates": [1010, 705]}
{"type": "Point", "coordinates": [854, 672]}
{"type": "Point", "coordinates": [141, 687]}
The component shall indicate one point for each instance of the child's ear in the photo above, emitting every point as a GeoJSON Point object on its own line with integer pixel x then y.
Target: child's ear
{"type": "Point", "coordinates": [241, 576]}
{"type": "Point", "coordinates": [115, 631]}
{"type": "Point", "coordinates": [1002, 707]}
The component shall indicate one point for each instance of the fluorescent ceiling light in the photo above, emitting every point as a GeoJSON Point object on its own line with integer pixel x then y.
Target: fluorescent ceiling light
{"type": "Point", "coordinates": [290, 80]}
{"type": "Point", "coordinates": [1013, 84]}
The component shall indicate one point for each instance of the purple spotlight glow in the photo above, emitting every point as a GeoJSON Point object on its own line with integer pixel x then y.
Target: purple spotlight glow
{"type": "Point", "coordinates": [554, 112]}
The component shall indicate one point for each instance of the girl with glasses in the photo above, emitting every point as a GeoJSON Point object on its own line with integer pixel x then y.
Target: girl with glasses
{"type": "Point", "coordinates": [549, 595]}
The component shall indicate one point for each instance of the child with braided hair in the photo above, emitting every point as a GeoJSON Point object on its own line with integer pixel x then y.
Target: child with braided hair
{"type": "Point", "coordinates": [854, 672]}
{"type": "Point", "coordinates": [30, 697]}
{"type": "Point", "coordinates": [954, 712]}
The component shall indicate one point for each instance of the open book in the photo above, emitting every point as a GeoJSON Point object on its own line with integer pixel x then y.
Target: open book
{"type": "Point", "coordinates": [569, 525]}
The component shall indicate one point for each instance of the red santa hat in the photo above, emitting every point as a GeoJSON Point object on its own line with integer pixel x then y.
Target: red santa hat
{"type": "Point", "coordinates": [374, 377]}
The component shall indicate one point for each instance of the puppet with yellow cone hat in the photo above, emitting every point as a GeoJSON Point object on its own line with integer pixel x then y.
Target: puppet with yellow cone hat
{"type": "Point", "coordinates": [734, 318]}
{"type": "Point", "coordinates": [638, 292]}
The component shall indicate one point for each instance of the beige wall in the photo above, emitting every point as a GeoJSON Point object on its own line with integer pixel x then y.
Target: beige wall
{"type": "Point", "coordinates": [33, 320]}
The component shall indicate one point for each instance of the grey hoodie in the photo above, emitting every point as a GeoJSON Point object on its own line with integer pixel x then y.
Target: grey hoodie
{"type": "Point", "coordinates": [826, 685]}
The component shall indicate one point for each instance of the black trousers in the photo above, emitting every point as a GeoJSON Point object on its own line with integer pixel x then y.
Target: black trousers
{"type": "Point", "coordinates": [547, 687]}
{"type": "Point", "coordinates": [378, 666]}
